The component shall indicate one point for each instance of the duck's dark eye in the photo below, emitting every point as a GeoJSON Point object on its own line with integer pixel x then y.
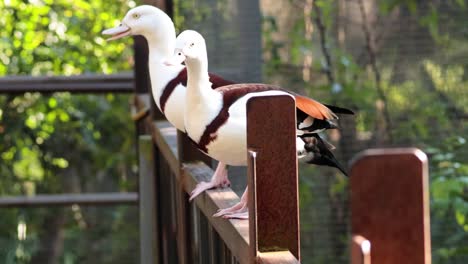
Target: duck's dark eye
{"type": "Point", "coordinates": [192, 44]}
{"type": "Point", "coordinates": [179, 53]}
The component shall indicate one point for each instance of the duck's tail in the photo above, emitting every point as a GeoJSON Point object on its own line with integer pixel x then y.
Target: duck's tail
{"type": "Point", "coordinates": [314, 150]}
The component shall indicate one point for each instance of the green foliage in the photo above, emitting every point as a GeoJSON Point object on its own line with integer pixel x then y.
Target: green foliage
{"type": "Point", "coordinates": [195, 13]}
{"type": "Point", "coordinates": [449, 200]}
{"type": "Point", "coordinates": [425, 92]}
{"type": "Point", "coordinates": [59, 37]}
{"type": "Point", "coordinates": [270, 45]}
{"type": "Point", "coordinates": [63, 143]}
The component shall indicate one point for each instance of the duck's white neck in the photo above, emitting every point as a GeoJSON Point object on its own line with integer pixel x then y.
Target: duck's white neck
{"type": "Point", "coordinates": [199, 87]}
{"type": "Point", "coordinates": [161, 47]}
{"type": "Point", "coordinates": [198, 84]}
{"type": "Point", "coordinates": [202, 103]}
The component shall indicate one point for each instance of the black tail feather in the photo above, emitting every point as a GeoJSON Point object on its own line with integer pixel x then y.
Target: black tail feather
{"type": "Point", "coordinates": [333, 162]}
{"type": "Point", "coordinates": [339, 110]}
{"type": "Point", "coordinates": [319, 154]}
{"type": "Point", "coordinates": [317, 126]}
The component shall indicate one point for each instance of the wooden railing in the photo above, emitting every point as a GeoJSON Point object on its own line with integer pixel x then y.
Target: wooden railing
{"type": "Point", "coordinates": [80, 84]}
{"type": "Point", "coordinates": [86, 83]}
{"type": "Point", "coordinates": [187, 232]}
{"type": "Point", "coordinates": [389, 194]}
{"type": "Point", "coordinates": [389, 188]}
{"type": "Point", "coordinates": [176, 231]}
{"type": "Point", "coordinates": [389, 197]}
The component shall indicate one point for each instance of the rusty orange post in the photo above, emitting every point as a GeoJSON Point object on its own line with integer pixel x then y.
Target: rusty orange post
{"type": "Point", "coordinates": [272, 175]}
{"type": "Point", "coordinates": [390, 204]}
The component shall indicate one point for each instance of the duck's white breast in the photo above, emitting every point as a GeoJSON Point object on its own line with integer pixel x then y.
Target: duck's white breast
{"type": "Point", "coordinates": [199, 114]}
{"type": "Point", "coordinates": [175, 107]}
{"type": "Point", "coordinates": [160, 76]}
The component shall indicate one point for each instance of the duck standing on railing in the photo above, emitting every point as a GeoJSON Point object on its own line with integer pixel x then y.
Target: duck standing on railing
{"type": "Point", "coordinates": [169, 83]}
{"type": "Point", "coordinates": [215, 119]}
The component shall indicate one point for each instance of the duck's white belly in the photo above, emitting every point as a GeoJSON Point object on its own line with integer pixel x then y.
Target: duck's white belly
{"type": "Point", "coordinates": [175, 107]}
{"type": "Point", "coordinates": [230, 145]}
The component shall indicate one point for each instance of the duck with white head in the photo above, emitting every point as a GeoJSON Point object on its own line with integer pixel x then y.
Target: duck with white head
{"type": "Point", "coordinates": [216, 119]}
{"type": "Point", "coordinates": [168, 82]}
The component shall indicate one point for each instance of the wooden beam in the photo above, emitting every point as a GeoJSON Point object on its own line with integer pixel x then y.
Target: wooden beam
{"type": "Point", "coordinates": [165, 137]}
{"type": "Point", "coordinates": [273, 179]}
{"type": "Point", "coordinates": [234, 233]}
{"type": "Point", "coordinates": [86, 83]}
{"type": "Point", "coordinates": [390, 204]}
{"type": "Point", "coordinates": [149, 224]}
{"type": "Point", "coordinates": [161, 4]}
{"type": "Point", "coordinates": [163, 133]}
{"type": "Point", "coordinates": [44, 200]}
{"type": "Point", "coordinates": [188, 151]}
{"type": "Point", "coordinates": [141, 70]}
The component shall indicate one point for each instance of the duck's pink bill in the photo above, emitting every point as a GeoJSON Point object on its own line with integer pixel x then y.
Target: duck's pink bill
{"type": "Point", "coordinates": [117, 32]}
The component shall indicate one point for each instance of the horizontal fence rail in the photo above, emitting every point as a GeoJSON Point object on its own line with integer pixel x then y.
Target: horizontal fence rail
{"type": "Point", "coordinates": [187, 232]}
{"type": "Point", "coordinates": [172, 174]}
{"type": "Point", "coordinates": [45, 200]}
{"type": "Point", "coordinates": [379, 178]}
{"type": "Point", "coordinates": [87, 83]}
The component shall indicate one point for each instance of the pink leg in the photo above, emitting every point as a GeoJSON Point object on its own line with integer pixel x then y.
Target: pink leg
{"type": "Point", "coordinates": [238, 211]}
{"type": "Point", "coordinates": [219, 179]}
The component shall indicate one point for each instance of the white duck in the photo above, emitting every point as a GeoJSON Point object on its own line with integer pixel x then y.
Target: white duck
{"type": "Point", "coordinates": [169, 81]}
{"type": "Point", "coordinates": [215, 119]}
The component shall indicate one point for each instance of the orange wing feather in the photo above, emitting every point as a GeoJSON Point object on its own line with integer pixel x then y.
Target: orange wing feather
{"type": "Point", "coordinates": [314, 108]}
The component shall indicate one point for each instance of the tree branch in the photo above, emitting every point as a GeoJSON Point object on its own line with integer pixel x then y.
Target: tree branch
{"type": "Point", "coordinates": [453, 111]}
{"type": "Point", "coordinates": [373, 62]}
{"type": "Point", "coordinates": [323, 43]}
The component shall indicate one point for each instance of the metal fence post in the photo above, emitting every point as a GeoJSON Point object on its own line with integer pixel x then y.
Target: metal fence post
{"type": "Point", "coordinates": [272, 176]}
{"type": "Point", "coordinates": [390, 204]}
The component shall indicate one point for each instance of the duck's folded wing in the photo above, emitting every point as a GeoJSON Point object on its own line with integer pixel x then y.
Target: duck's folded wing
{"type": "Point", "coordinates": [218, 81]}
{"type": "Point", "coordinates": [232, 93]}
